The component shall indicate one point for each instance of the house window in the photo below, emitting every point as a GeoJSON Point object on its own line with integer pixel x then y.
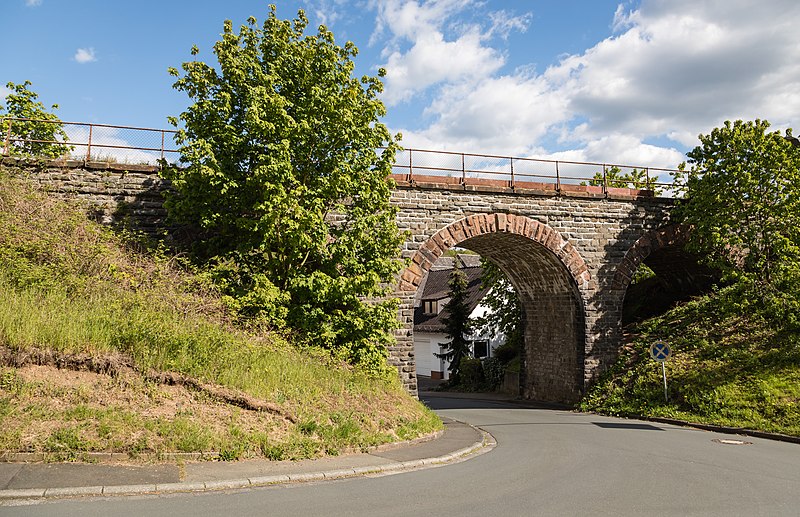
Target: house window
{"type": "Point", "coordinates": [480, 348]}
{"type": "Point", "coordinates": [430, 307]}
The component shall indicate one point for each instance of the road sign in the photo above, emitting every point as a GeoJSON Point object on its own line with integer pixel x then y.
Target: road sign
{"type": "Point", "coordinates": [660, 351]}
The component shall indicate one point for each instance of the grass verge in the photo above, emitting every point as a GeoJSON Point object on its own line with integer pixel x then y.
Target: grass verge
{"type": "Point", "coordinates": [728, 368]}
{"type": "Point", "coordinates": [71, 288]}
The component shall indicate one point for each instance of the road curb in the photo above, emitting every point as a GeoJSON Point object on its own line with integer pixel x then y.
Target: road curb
{"type": "Point", "coordinates": [743, 431]}
{"type": "Point", "coordinates": [145, 458]}
{"type": "Point", "coordinates": [484, 444]}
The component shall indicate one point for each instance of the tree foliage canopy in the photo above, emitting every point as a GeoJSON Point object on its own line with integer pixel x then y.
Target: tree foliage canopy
{"type": "Point", "coordinates": [505, 309]}
{"type": "Point", "coordinates": [285, 186]}
{"type": "Point", "coordinates": [742, 197]}
{"type": "Point", "coordinates": [31, 137]}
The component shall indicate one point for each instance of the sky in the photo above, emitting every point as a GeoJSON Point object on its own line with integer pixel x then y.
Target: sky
{"type": "Point", "coordinates": [631, 81]}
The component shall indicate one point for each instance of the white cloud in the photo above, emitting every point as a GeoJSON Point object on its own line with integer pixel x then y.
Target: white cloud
{"type": "Point", "coordinates": [328, 11]}
{"type": "Point", "coordinates": [504, 23]}
{"type": "Point", "coordinates": [507, 114]}
{"type": "Point", "coordinates": [109, 144]}
{"type": "Point", "coordinates": [688, 67]}
{"type": "Point", "coordinates": [33, 3]}
{"type": "Point", "coordinates": [672, 69]}
{"type": "Point", "coordinates": [85, 55]}
{"type": "Point", "coordinates": [434, 60]}
{"type": "Point", "coordinates": [431, 45]}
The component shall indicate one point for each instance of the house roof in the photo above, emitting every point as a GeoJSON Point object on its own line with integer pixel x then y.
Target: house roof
{"type": "Point", "coordinates": [437, 288]}
{"type": "Point", "coordinates": [465, 259]}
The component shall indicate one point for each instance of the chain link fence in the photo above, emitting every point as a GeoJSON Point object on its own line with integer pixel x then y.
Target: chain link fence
{"type": "Point", "coordinates": [466, 168]}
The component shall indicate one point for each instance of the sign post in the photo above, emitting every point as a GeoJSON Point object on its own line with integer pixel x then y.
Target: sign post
{"type": "Point", "coordinates": [661, 351]}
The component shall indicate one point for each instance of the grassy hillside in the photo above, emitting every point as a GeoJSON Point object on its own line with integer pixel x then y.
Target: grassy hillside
{"type": "Point", "coordinates": [107, 346]}
{"type": "Point", "coordinates": [730, 367]}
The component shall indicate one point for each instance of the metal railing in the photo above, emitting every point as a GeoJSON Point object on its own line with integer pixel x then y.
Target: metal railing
{"type": "Point", "coordinates": [126, 144]}
{"type": "Point", "coordinates": [515, 172]}
{"type": "Point", "coordinates": [85, 141]}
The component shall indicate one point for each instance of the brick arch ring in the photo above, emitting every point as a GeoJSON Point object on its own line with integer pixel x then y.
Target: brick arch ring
{"type": "Point", "coordinates": [653, 240]}
{"type": "Point", "coordinates": [480, 224]}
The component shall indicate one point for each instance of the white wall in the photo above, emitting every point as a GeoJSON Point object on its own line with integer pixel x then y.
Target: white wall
{"type": "Point", "coordinates": [425, 344]}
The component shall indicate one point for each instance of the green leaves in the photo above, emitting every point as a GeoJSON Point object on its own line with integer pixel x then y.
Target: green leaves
{"type": "Point", "coordinates": [284, 177]}
{"type": "Point", "coordinates": [742, 198]}
{"type": "Point", "coordinates": [635, 179]}
{"type": "Point", "coordinates": [505, 314]}
{"type": "Point", "coordinates": [34, 137]}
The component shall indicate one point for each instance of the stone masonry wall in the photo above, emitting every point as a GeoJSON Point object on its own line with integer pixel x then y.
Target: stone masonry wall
{"type": "Point", "coordinates": [595, 228]}
{"type": "Point", "coordinates": [115, 192]}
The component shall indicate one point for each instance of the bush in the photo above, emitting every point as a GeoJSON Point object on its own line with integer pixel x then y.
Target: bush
{"type": "Point", "coordinates": [471, 376]}
{"type": "Point", "coordinates": [506, 352]}
{"type": "Point", "coordinates": [494, 370]}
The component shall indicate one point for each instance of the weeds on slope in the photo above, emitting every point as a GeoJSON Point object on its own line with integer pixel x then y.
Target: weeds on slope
{"type": "Point", "coordinates": [730, 367]}
{"type": "Point", "coordinates": [72, 286]}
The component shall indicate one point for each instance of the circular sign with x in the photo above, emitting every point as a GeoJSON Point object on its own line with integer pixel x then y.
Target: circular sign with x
{"type": "Point", "coordinates": [660, 351]}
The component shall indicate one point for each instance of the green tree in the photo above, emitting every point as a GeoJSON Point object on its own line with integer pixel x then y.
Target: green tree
{"type": "Point", "coordinates": [741, 194]}
{"type": "Point", "coordinates": [635, 179]}
{"type": "Point", "coordinates": [36, 135]}
{"type": "Point", "coordinates": [285, 186]}
{"type": "Point", "coordinates": [505, 309]}
{"type": "Point", "coordinates": [457, 324]}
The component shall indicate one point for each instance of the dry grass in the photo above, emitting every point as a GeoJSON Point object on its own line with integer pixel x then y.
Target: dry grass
{"type": "Point", "coordinates": [73, 288]}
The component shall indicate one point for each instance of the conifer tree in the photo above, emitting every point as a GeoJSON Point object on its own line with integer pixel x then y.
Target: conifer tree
{"type": "Point", "coordinates": [457, 323]}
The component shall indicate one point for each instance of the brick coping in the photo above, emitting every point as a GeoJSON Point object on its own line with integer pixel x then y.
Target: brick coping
{"type": "Point", "coordinates": [525, 188]}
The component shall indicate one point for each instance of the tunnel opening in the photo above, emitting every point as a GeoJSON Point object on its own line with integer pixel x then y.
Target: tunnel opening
{"type": "Point", "coordinates": [665, 275]}
{"type": "Point", "coordinates": [542, 268]}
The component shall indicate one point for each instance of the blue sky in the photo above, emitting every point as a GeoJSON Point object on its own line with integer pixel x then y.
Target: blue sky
{"type": "Point", "coordinates": [596, 80]}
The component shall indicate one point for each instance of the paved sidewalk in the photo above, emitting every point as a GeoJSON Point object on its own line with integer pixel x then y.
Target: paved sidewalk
{"type": "Point", "coordinates": [53, 480]}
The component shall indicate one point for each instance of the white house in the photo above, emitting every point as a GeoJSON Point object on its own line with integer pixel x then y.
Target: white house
{"type": "Point", "coordinates": [429, 330]}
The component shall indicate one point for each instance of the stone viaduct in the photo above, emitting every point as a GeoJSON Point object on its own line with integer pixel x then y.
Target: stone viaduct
{"type": "Point", "coordinates": [570, 251]}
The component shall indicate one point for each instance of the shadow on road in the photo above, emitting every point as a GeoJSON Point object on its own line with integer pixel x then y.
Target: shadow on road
{"type": "Point", "coordinates": [437, 400]}
{"type": "Point", "coordinates": [452, 400]}
{"type": "Point", "coordinates": [627, 425]}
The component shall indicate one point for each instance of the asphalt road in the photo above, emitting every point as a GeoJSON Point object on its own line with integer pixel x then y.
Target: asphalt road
{"type": "Point", "coordinates": [546, 462]}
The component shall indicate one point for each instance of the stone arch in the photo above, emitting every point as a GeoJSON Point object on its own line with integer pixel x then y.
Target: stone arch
{"type": "Point", "coordinates": [480, 224]}
{"type": "Point", "coordinates": [672, 236]}
{"type": "Point", "coordinates": [551, 279]}
{"type": "Point", "coordinates": [680, 273]}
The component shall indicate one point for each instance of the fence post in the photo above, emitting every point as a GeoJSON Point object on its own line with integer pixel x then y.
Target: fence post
{"type": "Point", "coordinates": [410, 166]}
{"type": "Point", "coordinates": [162, 144]}
{"type": "Point", "coordinates": [89, 144]}
{"type": "Point", "coordinates": [7, 146]}
{"type": "Point", "coordinates": [558, 179]}
{"type": "Point", "coordinates": [605, 181]}
{"type": "Point", "coordinates": [512, 171]}
{"type": "Point", "coordinates": [463, 170]}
